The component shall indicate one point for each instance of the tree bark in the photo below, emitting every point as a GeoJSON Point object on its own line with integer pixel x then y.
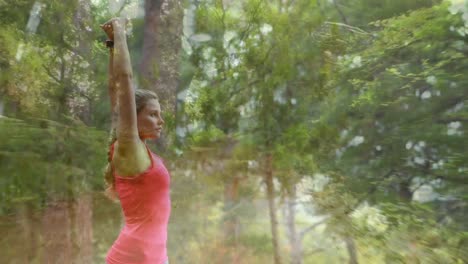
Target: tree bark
{"type": "Point", "coordinates": [25, 219]}
{"type": "Point", "coordinates": [294, 241]}
{"type": "Point", "coordinates": [151, 53]}
{"type": "Point", "coordinates": [56, 233]}
{"type": "Point", "coordinates": [82, 20]}
{"type": "Point", "coordinates": [2, 104]}
{"type": "Point", "coordinates": [342, 15]}
{"type": "Point", "coordinates": [351, 247]}
{"type": "Point", "coordinates": [231, 221]}
{"type": "Point", "coordinates": [82, 229]}
{"type": "Point", "coordinates": [161, 50]}
{"type": "Point", "coordinates": [159, 67]}
{"type": "Point", "coordinates": [271, 204]}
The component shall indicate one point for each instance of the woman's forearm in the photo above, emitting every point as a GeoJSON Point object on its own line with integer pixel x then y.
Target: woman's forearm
{"type": "Point", "coordinates": [122, 64]}
{"type": "Point", "coordinates": [122, 72]}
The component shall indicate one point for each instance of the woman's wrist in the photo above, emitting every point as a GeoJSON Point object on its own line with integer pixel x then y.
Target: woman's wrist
{"type": "Point", "coordinates": [119, 28]}
{"type": "Point", "coordinates": [110, 43]}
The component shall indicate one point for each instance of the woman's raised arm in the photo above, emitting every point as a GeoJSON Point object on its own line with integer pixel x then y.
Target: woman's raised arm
{"type": "Point", "coordinates": [130, 153]}
{"type": "Point", "coordinates": [127, 131]}
{"type": "Point", "coordinates": [107, 27]}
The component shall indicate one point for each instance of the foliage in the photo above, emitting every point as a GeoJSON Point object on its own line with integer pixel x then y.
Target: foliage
{"type": "Point", "coordinates": [398, 107]}
{"type": "Point", "coordinates": [365, 100]}
{"type": "Point", "coordinates": [46, 160]}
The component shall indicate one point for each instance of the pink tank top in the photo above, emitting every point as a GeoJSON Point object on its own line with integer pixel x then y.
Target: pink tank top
{"type": "Point", "coordinates": [146, 206]}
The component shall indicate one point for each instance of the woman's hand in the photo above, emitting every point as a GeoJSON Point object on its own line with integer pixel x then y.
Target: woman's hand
{"type": "Point", "coordinates": [109, 29]}
{"type": "Point", "coordinates": [116, 24]}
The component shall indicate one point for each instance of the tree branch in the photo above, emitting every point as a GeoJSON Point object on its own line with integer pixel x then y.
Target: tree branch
{"type": "Point", "coordinates": [50, 74]}
{"type": "Point", "coordinates": [451, 119]}
{"type": "Point", "coordinates": [351, 28]}
{"type": "Point", "coordinates": [343, 17]}
{"type": "Point", "coordinates": [312, 227]}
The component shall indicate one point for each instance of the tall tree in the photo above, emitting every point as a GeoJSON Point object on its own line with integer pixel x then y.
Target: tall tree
{"type": "Point", "coordinates": [394, 135]}
{"type": "Point", "coordinates": [162, 33]}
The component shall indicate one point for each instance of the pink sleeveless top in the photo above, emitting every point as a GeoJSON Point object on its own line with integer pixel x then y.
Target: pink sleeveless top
{"type": "Point", "coordinates": [146, 206]}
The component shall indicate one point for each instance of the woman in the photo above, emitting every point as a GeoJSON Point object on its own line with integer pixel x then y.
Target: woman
{"type": "Point", "coordinates": [135, 175]}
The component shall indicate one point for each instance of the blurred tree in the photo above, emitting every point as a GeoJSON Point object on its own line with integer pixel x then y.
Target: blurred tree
{"type": "Point", "coordinates": [397, 114]}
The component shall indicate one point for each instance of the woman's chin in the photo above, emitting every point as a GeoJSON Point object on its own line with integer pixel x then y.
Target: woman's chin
{"type": "Point", "coordinates": [153, 136]}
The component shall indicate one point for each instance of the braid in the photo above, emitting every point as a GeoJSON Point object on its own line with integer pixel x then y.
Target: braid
{"type": "Point", "coordinates": [108, 172]}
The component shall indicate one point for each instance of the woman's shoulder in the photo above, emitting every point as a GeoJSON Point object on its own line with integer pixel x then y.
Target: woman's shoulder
{"type": "Point", "coordinates": [129, 162]}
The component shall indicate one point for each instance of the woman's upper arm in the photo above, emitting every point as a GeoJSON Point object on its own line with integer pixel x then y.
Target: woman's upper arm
{"type": "Point", "coordinates": [131, 159]}
{"type": "Point", "coordinates": [130, 150]}
{"type": "Point", "coordinates": [127, 129]}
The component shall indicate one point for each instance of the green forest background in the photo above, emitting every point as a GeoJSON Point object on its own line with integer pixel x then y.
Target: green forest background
{"type": "Point", "coordinates": [297, 131]}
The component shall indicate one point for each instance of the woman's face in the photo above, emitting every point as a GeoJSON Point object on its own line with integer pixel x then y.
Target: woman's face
{"type": "Point", "coordinates": [150, 121]}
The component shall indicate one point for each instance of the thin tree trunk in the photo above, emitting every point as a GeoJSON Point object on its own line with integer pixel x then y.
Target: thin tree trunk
{"type": "Point", "coordinates": [343, 17]}
{"type": "Point", "coordinates": [231, 221]}
{"type": "Point", "coordinates": [294, 241]}
{"type": "Point", "coordinates": [404, 190]}
{"type": "Point", "coordinates": [2, 104]}
{"type": "Point", "coordinates": [271, 204]}
{"type": "Point", "coordinates": [83, 229]}
{"type": "Point", "coordinates": [181, 119]}
{"type": "Point", "coordinates": [82, 20]}
{"type": "Point", "coordinates": [351, 247]}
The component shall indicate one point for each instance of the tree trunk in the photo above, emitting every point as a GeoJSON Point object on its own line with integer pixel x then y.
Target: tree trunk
{"type": "Point", "coordinates": [294, 241]}
{"type": "Point", "coordinates": [185, 79]}
{"type": "Point", "coordinates": [25, 219]}
{"type": "Point", "coordinates": [82, 226]}
{"type": "Point", "coordinates": [56, 235]}
{"type": "Point", "coordinates": [342, 15]}
{"type": "Point", "coordinates": [351, 247]}
{"type": "Point", "coordinates": [161, 50]}
{"type": "Point", "coordinates": [1, 106]}
{"type": "Point", "coordinates": [271, 204]}
{"type": "Point", "coordinates": [81, 215]}
{"type": "Point", "coordinates": [231, 221]}
{"type": "Point", "coordinates": [404, 191]}
{"type": "Point", "coordinates": [159, 66]}
{"type": "Point", "coordinates": [151, 53]}
{"type": "Point", "coordinates": [82, 20]}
